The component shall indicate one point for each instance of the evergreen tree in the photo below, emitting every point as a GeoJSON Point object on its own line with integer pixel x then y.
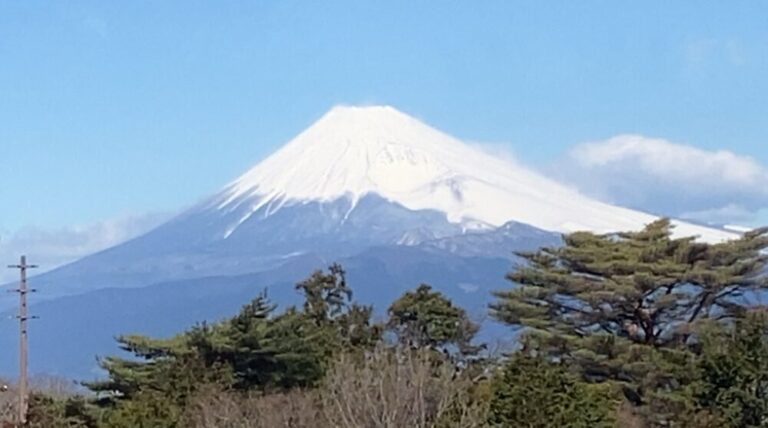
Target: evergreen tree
{"type": "Point", "coordinates": [126, 377]}
{"type": "Point", "coordinates": [534, 393]}
{"type": "Point", "coordinates": [624, 307]}
{"type": "Point", "coordinates": [732, 372]}
{"type": "Point", "coordinates": [326, 295]}
{"type": "Point", "coordinates": [254, 350]}
{"type": "Point", "coordinates": [426, 318]}
{"type": "Point", "coordinates": [328, 302]}
{"type": "Point", "coordinates": [356, 329]}
{"type": "Point", "coordinates": [264, 350]}
{"type": "Point", "coordinates": [47, 411]}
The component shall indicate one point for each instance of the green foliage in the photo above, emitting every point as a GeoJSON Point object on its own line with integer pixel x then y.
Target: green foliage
{"type": "Point", "coordinates": [624, 307]}
{"type": "Point", "coordinates": [327, 302]}
{"type": "Point", "coordinates": [355, 328]}
{"type": "Point", "coordinates": [148, 409]}
{"type": "Point", "coordinates": [265, 351]}
{"type": "Point", "coordinates": [158, 396]}
{"type": "Point", "coordinates": [531, 392]}
{"type": "Point", "coordinates": [71, 412]}
{"type": "Point", "coordinates": [426, 318]}
{"type": "Point", "coordinates": [325, 294]}
{"type": "Point", "coordinates": [256, 349]}
{"type": "Point", "coordinates": [733, 373]}
{"type": "Point", "coordinates": [630, 329]}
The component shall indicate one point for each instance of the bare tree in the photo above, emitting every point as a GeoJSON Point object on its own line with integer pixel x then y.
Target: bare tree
{"type": "Point", "coordinates": [53, 386]}
{"type": "Point", "coordinates": [214, 408]}
{"type": "Point", "coordinates": [382, 389]}
{"type": "Point", "coordinates": [388, 389]}
{"type": "Point", "coordinates": [49, 386]}
{"type": "Point", "coordinates": [8, 399]}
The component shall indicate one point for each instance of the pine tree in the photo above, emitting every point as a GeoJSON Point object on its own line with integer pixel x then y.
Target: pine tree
{"type": "Point", "coordinates": [328, 302]}
{"type": "Point", "coordinates": [326, 295]}
{"type": "Point", "coordinates": [426, 318]}
{"type": "Point", "coordinates": [625, 307]}
{"type": "Point", "coordinates": [732, 372]}
{"type": "Point", "coordinates": [531, 392]}
{"type": "Point", "coordinates": [255, 350]}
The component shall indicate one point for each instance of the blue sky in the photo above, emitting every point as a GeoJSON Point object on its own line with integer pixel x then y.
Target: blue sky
{"type": "Point", "coordinates": [111, 110]}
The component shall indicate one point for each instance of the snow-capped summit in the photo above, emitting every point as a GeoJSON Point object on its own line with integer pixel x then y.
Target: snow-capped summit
{"type": "Point", "coordinates": [351, 152]}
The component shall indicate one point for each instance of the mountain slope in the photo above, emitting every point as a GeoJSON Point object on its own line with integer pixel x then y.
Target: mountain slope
{"type": "Point", "coordinates": [354, 151]}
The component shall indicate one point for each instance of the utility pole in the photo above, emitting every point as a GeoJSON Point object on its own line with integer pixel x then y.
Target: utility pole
{"type": "Point", "coordinates": [23, 351]}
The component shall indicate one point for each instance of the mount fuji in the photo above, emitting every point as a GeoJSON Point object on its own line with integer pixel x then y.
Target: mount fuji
{"type": "Point", "coordinates": [396, 201]}
{"type": "Point", "coordinates": [356, 151]}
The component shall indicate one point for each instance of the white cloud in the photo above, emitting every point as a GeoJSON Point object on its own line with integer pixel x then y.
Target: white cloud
{"type": "Point", "coordinates": [669, 178]}
{"type": "Point", "coordinates": [50, 248]}
{"type": "Point", "coordinates": [468, 288]}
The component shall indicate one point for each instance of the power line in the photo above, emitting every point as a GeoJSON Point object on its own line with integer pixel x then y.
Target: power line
{"type": "Point", "coordinates": [23, 339]}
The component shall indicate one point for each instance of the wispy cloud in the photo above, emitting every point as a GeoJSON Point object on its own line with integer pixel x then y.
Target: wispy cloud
{"type": "Point", "coordinates": [51, 248]}
{"type": "Point", "coordinates": [668, 178]}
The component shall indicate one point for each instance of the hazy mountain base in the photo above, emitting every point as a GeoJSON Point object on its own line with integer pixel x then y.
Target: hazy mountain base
{"type": "Point", "coordinates": [73, 330]}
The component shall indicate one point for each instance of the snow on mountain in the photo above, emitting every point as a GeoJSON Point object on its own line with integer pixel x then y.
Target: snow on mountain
{"type": "Point", "coordinates": [355, 151]}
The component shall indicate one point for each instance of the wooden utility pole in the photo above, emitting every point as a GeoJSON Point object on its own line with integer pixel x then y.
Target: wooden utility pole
{"type": "Point", "coordinates": [23, 350]}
